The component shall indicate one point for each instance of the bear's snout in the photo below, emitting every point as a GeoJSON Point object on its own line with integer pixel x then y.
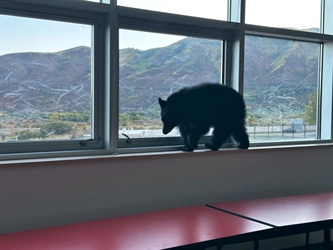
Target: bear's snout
{"type": "Point", "coordinates": [166, 130]}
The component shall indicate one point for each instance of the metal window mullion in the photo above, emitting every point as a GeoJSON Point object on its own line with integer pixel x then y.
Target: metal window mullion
{"type": "Point", "coordinates": [319, 93]}
{"type": "Point", "coordinates": [319, 89]}
{"type": "Point", "coordinates": [65, 5]}
{"type": "Point", "coordinates": [177, 29]}
{"type": "Point", "coordinates": [326, 93]}
{"type": "Point", "coordinates": [322, 16]}
{"type": "Point", "coordinates": [327, 17]}
{"type": "Point", "coordinates": [94, 55]}
{"type": "Point", "coordinates": [325, 90]}
{"type": "Point", "coordinates": [165, 23]}
{"type": "Point", "coordinates": [236, 13]}
{"type": "Point", "coordinates": [98, 60]}
{"type": "Point", "coordinates": [238, 55]}
{"type": "Point", "coordinates": [296, 35]}
{"type": "Point", "coordinates": [112, 79]}
{"type": "Point", "coordinates": [224, 62]}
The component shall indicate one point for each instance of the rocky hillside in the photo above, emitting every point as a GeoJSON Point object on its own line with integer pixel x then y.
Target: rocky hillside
{"type": "Point", "coordinates": [279, 76]}
{"type": "Point", "coordinates": [27, 80]}
{"type": "Point", "coordinates": [147, 75]}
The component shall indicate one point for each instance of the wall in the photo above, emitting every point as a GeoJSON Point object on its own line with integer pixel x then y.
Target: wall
{"type": "Point", "coordinates": [50, 193]}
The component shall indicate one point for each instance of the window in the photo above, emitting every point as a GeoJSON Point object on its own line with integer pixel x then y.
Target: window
{"type": "Point", "coordinates": [47, 82]}
{"type": "Point", "coordinates": [292, 14]}
{"type": "Point", "coordinates": [281, 80]}
{"type": "Point", "coordinates": [155, 65]}
{"type": "Point", "coordinates": [211, 9]}
{"type": "Point", "coordinates": [85, 77]}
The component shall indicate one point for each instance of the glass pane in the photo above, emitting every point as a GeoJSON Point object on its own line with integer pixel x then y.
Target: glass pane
{"type": "Point", "coordinates": [45, 80]}
{"type": "Point", "coordinates": [150, 69]}
{"type": "Point", "coordinates": [280, 88]}
{"type": "Point", "coordinates": [211, 9]}
{"type": "Point", "coordinates": [293, 14]}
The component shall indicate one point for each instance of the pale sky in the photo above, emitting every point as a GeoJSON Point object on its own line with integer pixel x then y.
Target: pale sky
{"type": "Point", "coordinates": [34, 35]}
{"type": "Point", "coordinates": [26, 34]}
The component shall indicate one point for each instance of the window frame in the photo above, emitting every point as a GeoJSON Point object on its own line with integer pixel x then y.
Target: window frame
{"type": "Point", "coordinates": [50, 148]}
{"type": "Point", "coordinates": [234, 72]}
{"type": "Point", "coordinates": [108, 19]}
{"type": "Point", "coordinates": [148, 21]}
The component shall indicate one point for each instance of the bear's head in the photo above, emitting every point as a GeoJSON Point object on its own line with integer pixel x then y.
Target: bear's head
{"type": "Point", "coordinates": [170, 115]}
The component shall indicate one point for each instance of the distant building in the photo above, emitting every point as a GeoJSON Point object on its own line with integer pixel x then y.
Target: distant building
{"type": "Point", "coordinates": [296, 126]}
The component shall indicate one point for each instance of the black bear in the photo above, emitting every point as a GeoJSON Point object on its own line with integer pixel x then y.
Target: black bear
{"type": "Point", "coordinates": [194, 110]}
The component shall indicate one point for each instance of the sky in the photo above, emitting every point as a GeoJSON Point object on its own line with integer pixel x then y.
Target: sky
{"type": "Point", "coordinates": [19, 34]}
{"type": "Point", "coordinates": [25, 34]}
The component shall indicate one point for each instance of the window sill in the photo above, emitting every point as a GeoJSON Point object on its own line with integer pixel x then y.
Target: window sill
{"type": "Point", "coordinates": [161, 151]}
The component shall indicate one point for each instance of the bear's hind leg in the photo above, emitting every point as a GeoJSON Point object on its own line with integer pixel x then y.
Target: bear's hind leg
{"type": "Point", "coordinates": [242, 137]}
{"type": "Point", "coordinates": [220, 135]}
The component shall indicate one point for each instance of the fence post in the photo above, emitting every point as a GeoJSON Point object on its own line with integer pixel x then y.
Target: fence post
{"type": "Point", "coordinates": [293, 130]}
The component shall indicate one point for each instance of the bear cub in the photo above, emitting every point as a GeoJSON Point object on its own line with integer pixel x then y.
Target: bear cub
{"type": "Point", "coordinates": [194, 110]}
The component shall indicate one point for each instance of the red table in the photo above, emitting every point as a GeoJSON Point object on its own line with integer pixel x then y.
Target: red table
{"type": "Point", "coordinates": [297, 213]}
{"type": "Point", "coordinates": [283, 211]}
{"type": "Point", "coordinates": [156, 230]}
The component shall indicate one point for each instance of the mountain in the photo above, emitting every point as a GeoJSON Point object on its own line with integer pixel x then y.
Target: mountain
{"type": "Point", "coordinates": [62, 78]}
{"type": "Point", "coordinates": [162, 71]}
{"type": "Point", "coordinates": [278, 76]}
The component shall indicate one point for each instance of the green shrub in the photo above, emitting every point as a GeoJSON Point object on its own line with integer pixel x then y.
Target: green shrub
{"type": "Point", "coordinates": [27, 134]}
{"type": "Point", "coordinates": [56, 127]}
{"type": "Point", "coordinates": [311, 109]}
{"type": "Point", "coordinates": [70, 116]}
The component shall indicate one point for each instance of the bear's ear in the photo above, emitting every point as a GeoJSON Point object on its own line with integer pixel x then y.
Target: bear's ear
{"type": "Point", "coordinates": [162, 102]}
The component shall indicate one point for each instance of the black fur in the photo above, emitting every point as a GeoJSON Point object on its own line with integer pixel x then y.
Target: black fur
{"type": "Point", "coordinates": [194, 110]}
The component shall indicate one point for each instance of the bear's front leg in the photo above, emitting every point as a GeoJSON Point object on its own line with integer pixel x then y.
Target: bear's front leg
{"type": "Point", "coordinates": [193, 140]}
{"type": "Point", "coordinates": [184, 132]}
{"type": "Point", "coordinates": [196, 131]}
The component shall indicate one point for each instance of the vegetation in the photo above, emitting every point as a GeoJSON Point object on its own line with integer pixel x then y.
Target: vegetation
{"type": "Point", "coordinates": [311, 109]}
{"type": "Point", "coordinates": [279, 82]}
{"type": "Point", "coordinates": [38, 126]}
{"type": "Point", "coordinates": [27, 134]}
{"type": "Point", "coordinates": [70, 116]}
{"type": "Point", "coordinates": [139, 120]}
{"type": "Point", "coordinates": [71, 125]}
{"type": "Point", "coordinates": [56, 127]}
